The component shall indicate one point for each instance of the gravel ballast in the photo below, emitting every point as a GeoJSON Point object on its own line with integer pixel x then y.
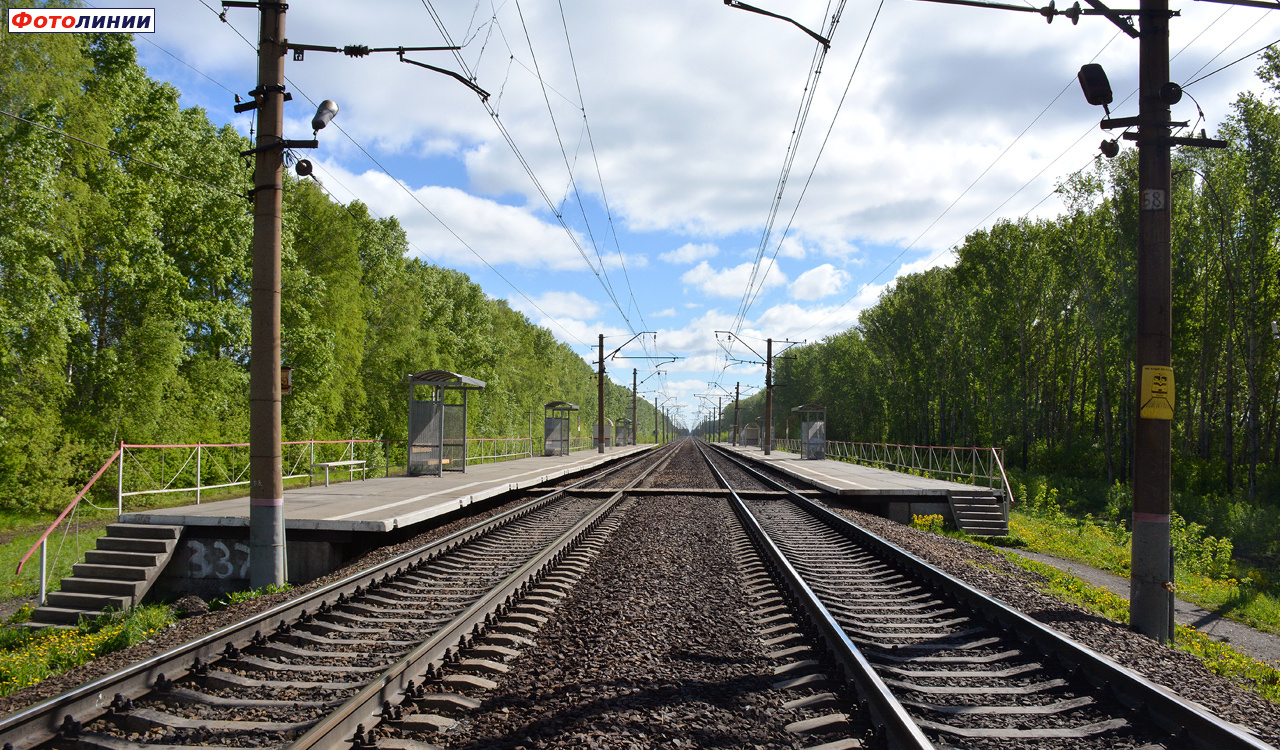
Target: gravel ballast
{"type": "Point", "coordinates": [653, 648]}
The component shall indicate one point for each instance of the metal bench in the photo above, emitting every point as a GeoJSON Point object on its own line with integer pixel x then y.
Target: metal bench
{"type": "Point", "coordinates": [352, 467]}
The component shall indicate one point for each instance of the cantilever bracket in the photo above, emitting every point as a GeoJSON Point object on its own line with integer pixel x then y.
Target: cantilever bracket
{"type": "Point", "coordinates": [282, 144]}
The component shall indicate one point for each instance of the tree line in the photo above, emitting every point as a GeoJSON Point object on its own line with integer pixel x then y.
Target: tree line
{"type": "Point", "coordinates": [124, 288]}
{"type": "Point", "coordinates": [1027, 341]}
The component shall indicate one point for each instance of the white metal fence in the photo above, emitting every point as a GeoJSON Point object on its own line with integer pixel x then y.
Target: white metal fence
{"type": "Point", "coordinates": [971, 465]}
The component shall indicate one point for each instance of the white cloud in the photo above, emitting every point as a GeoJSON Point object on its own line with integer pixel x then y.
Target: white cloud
{"type": "Point", "coordinates": [732, 282]}
{"type": "Point", "coordinates": [690, 252]}
{"type": "Point", "coordinates": [559, 305]}
{"type": "Point", "coordinates": [932, 260]}
{"type": "Point", "coordinates": [816, 283]}
{"type": "Point", "coordinates": [496, 232]}
{"type": "Point", "coordinates": [670, 312]}
{"type": "Point", "coordinates": [791, 248]}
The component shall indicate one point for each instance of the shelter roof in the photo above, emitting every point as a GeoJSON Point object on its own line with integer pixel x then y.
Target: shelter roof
{"type": "Point", "coordinates": [562, 406]}
{"type": "Point", "coordinates": [809, 407]}
{"type": "Point", "coordinates": [446, 379]}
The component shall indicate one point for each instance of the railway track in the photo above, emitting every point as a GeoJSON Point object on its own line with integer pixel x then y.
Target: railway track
{"type": "Point", "coordinates": [937, 663]}
{"type": "Point", "coordinates": [322, 670]}
{"type": "Point", "coordinates": [823, 635]}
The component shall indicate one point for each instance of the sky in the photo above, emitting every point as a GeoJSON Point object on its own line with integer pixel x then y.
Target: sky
{"type": "Point", "coordinates": [624, 174]}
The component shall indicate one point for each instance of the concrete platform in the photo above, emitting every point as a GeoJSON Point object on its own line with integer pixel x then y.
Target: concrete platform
{"type": "Point", "coordinates": [841, 478]}
{"type": "Point", "coordinates": [388, 503]}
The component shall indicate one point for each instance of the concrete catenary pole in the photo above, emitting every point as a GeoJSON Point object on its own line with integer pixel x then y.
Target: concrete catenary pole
{"type": "Point", "coordinates": [635, 421]}
{"type": "Point", "coordinates": [737, 394]}
{"type": "Point", "coordinates": [266, 485]}
{"type": "Point", "coordinates": [600, 397]}
{"type": "Point", "coordinates": [1151, 577]}
{"type": "Point", "coordinates": [656, 420]}
{"type": "Point", "coordinates": [768, 396]}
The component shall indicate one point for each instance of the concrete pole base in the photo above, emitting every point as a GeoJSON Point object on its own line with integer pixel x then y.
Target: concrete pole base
{"type": "Point", "coordinates": [1151, 577]}
{"type": "Point", "coordinates": [266, 544]}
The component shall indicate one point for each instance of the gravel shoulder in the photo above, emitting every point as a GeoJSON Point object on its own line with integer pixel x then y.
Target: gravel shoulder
{"type": "Point", "coordinates": [996, 575]}
{"type": "Point", "coordinates": [1262, 646]}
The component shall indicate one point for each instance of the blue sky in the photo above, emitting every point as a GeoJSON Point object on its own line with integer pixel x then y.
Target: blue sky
{"type": "Point", "coordinates": [956, 118]}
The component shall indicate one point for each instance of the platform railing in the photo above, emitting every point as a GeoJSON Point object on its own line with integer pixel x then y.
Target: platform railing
{"type": "Point", "coordinates": [969, 464]}
{"type": "Point", "coordinates": [196, 468]}
{"type": "Point", "coordinates": [480, 450]}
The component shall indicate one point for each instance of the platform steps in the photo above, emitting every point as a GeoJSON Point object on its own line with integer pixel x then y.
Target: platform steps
{"type": "Point", "coordinates": [114, 577]}
{"type": "Point", "coordinates": [979, 514]}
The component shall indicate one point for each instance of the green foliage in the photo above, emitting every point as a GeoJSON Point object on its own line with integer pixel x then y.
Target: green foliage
{"type": "Point", "coordinates": [28, 656]}
{"type": "Point", "coordinates": [237, 597]}
{"type": "Point", "coordinates": [934, 523]}
{"type": "Point", "coordinates": [1200, 554]}
{"type": "Point", "coordinates": [124, 291]}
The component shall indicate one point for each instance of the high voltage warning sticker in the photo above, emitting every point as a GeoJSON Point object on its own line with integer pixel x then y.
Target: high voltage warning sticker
{"type": "Point", "coordinates": [1157, 392]}
{"type": "Point", "coordinates": [82, 21]}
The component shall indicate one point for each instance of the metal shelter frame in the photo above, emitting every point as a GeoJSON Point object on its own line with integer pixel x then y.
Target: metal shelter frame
{"type": "Point", "coordinates": [608, 434]}
{"type": "Point", "coordinates": [622, 432]}
{"type": "Point", "coordinates": [437, 439]}
{"type": "Point", "coordinates": [751, 434]}
{"type": "Point", "coordinates": [813, 430]}
{"type": "Point", "coordinates": [555, 426]}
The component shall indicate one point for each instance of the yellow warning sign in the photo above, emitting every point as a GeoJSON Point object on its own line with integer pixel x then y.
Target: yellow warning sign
{"type": "Point", "coordinates": [1157, 392]}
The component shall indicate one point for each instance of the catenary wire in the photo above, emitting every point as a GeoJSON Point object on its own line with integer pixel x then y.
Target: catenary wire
{"type": "Point", "coordinates": [821, 149]}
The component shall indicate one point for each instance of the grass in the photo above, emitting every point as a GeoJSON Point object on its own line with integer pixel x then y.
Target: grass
{"type": "Point", "coordinates": [1244, 594]}
{"type": "Point", "coordinates": [65, 548]}
{"type": "Point", "coordinates": [28, 656]}
{"type": "Point", "coordinates": [235, 597]}
{"type": "Point", "coordinates": [1220, 658]}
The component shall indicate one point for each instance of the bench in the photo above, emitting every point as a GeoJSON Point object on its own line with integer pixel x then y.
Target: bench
{"type": "Point", "coordinates": [352, 467]}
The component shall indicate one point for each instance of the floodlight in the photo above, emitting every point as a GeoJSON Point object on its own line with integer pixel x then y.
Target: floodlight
{"type": "Point", "coordinates": [1094, 83]}
{"type": "Point", "coordinates": [326, 111]}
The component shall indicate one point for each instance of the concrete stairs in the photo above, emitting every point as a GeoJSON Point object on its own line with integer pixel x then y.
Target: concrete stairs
{"type": "Point", "coordinates": [979, 514]}
{"type": "Point", "coordinates": [115, 576]}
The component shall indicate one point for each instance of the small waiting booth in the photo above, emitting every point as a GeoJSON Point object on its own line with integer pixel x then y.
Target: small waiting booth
{"type": "Point", "coordinates": [555, 425]}
{"type": "Point", "coordinates": [622, 433]}
{"type": "Point", "coordinates": [438, 423]}
{"type": "Point", "coordinates": [813, 430]}
{"type": "Point", "coordinates": [751, 435]}
{"type": "Point", "coordinates": [608, 434]}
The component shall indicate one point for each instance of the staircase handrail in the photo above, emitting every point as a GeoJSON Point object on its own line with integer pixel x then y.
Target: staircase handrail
{"type": "Point", "coordinates": [1008, 491]}
{"type": "Point", "coordinates": [68, 509]}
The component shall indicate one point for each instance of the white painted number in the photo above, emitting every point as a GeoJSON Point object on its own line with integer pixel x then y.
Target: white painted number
{"type": "Point", "coordinates": [223, 564]}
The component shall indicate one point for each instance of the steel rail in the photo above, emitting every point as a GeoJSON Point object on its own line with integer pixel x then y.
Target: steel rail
{"type": "Point", "coordinates": [1167, 710]}
{"type": "Point", "coordinates": [41, 722]}
{"type": "Point", "coordinates": [890, 719]}
{"type": "Point", "coordinates": [341, 728]}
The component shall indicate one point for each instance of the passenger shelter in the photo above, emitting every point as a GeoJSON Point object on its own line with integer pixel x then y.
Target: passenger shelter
{"type": "Point", "coordinates": [622, 434]}
{"type": "Point", "coordinates": [608, 434]}
{"type": "Point", "coordinates": [437, 428]}
{"type": "Point", "coordinates": [813, 430]}
{"type": "Point", "coordinates": [751, 435]}
{"type": "Point", "coordinates": [555, 425]}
